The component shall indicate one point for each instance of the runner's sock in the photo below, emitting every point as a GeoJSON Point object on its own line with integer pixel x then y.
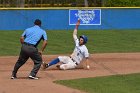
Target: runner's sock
{"type": "Point", "coordinates": [55, 61]}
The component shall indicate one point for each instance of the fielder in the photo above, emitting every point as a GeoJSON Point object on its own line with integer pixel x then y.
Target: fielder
{"type": "Point", "coordinates": [80, 52]}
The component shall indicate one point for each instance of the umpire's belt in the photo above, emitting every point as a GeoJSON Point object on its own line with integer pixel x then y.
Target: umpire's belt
{"type": "Point", "coordinates": [74, 61]}
{"type": "Point", "coordinates": [28, 44]}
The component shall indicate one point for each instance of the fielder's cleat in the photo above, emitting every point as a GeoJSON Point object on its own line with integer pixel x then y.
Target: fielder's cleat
{"type": "Point", "coordinates": [31, 77]}
{"type": "Point", "coordinates": [44, 65]}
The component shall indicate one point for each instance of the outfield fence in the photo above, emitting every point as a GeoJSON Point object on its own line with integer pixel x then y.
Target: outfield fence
{"type": "Point", "coordinates": [58, 18]}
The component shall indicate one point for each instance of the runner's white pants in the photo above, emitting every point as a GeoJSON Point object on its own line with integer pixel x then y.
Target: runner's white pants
{"type": "Point", "coordinates": [67, 63]}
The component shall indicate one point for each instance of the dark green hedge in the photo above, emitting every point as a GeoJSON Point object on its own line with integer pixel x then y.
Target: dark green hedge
{"type": "Point", "coordinates": [69, 3]}
{"type": "Point", "coordinates": [122, 3]}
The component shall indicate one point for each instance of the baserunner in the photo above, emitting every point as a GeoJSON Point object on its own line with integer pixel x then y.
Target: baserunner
{"type": "Point", "coordinates": [80, 52]}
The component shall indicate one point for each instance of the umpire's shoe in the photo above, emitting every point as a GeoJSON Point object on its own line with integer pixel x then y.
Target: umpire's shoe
{"type": "Point", "coordinates": [44, 65]}
{"type": "Point", "coordinates": [32, 77]}
{"type": "Point", "coordinates": [13, 77]}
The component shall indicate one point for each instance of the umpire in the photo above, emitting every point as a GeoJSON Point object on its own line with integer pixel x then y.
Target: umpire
{"type": "Point", "coordinates": [29, 40]}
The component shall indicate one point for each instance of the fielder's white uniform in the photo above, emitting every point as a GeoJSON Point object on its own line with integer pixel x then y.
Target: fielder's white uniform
{"type": "Point", "coordinates": [76, 57]}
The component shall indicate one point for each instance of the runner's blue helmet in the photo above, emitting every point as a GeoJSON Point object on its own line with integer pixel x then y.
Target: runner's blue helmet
{"type": "Point", "coordinates": [84, 38]}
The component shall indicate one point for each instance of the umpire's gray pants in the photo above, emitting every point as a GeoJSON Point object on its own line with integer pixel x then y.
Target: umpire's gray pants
{"type": "Point", "coordinates": [26, 52]}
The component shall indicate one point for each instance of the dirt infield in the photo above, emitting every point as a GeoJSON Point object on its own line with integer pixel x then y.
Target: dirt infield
{"type": "Point", "coordinates": [101, 65]}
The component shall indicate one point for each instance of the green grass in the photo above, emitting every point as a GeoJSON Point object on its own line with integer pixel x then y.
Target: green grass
{"type": "Point", "coordinates": [108, 84]}
{"type": "Point", "coordinates": [61, 42]}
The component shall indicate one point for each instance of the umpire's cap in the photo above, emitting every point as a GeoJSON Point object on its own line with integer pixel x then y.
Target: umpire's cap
{"type": "Point", "coordinates": [85, 38]}
{"type": "Point", "coordinates": [37, 22]}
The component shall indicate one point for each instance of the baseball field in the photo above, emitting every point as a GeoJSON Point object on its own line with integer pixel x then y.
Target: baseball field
{"type": "Point", "coordinates": [114, 61]}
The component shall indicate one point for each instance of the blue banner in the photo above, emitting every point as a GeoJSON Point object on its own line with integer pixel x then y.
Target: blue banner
{"type": "Point", "coordinates": [87, 17]}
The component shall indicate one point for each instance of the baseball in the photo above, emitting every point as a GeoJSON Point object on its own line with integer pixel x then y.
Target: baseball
{"type": "Point", "coordinates": [88, 67]}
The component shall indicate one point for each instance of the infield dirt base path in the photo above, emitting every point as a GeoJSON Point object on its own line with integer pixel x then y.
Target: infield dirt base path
{"type": "Point", "coordinates": [101, 65]}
